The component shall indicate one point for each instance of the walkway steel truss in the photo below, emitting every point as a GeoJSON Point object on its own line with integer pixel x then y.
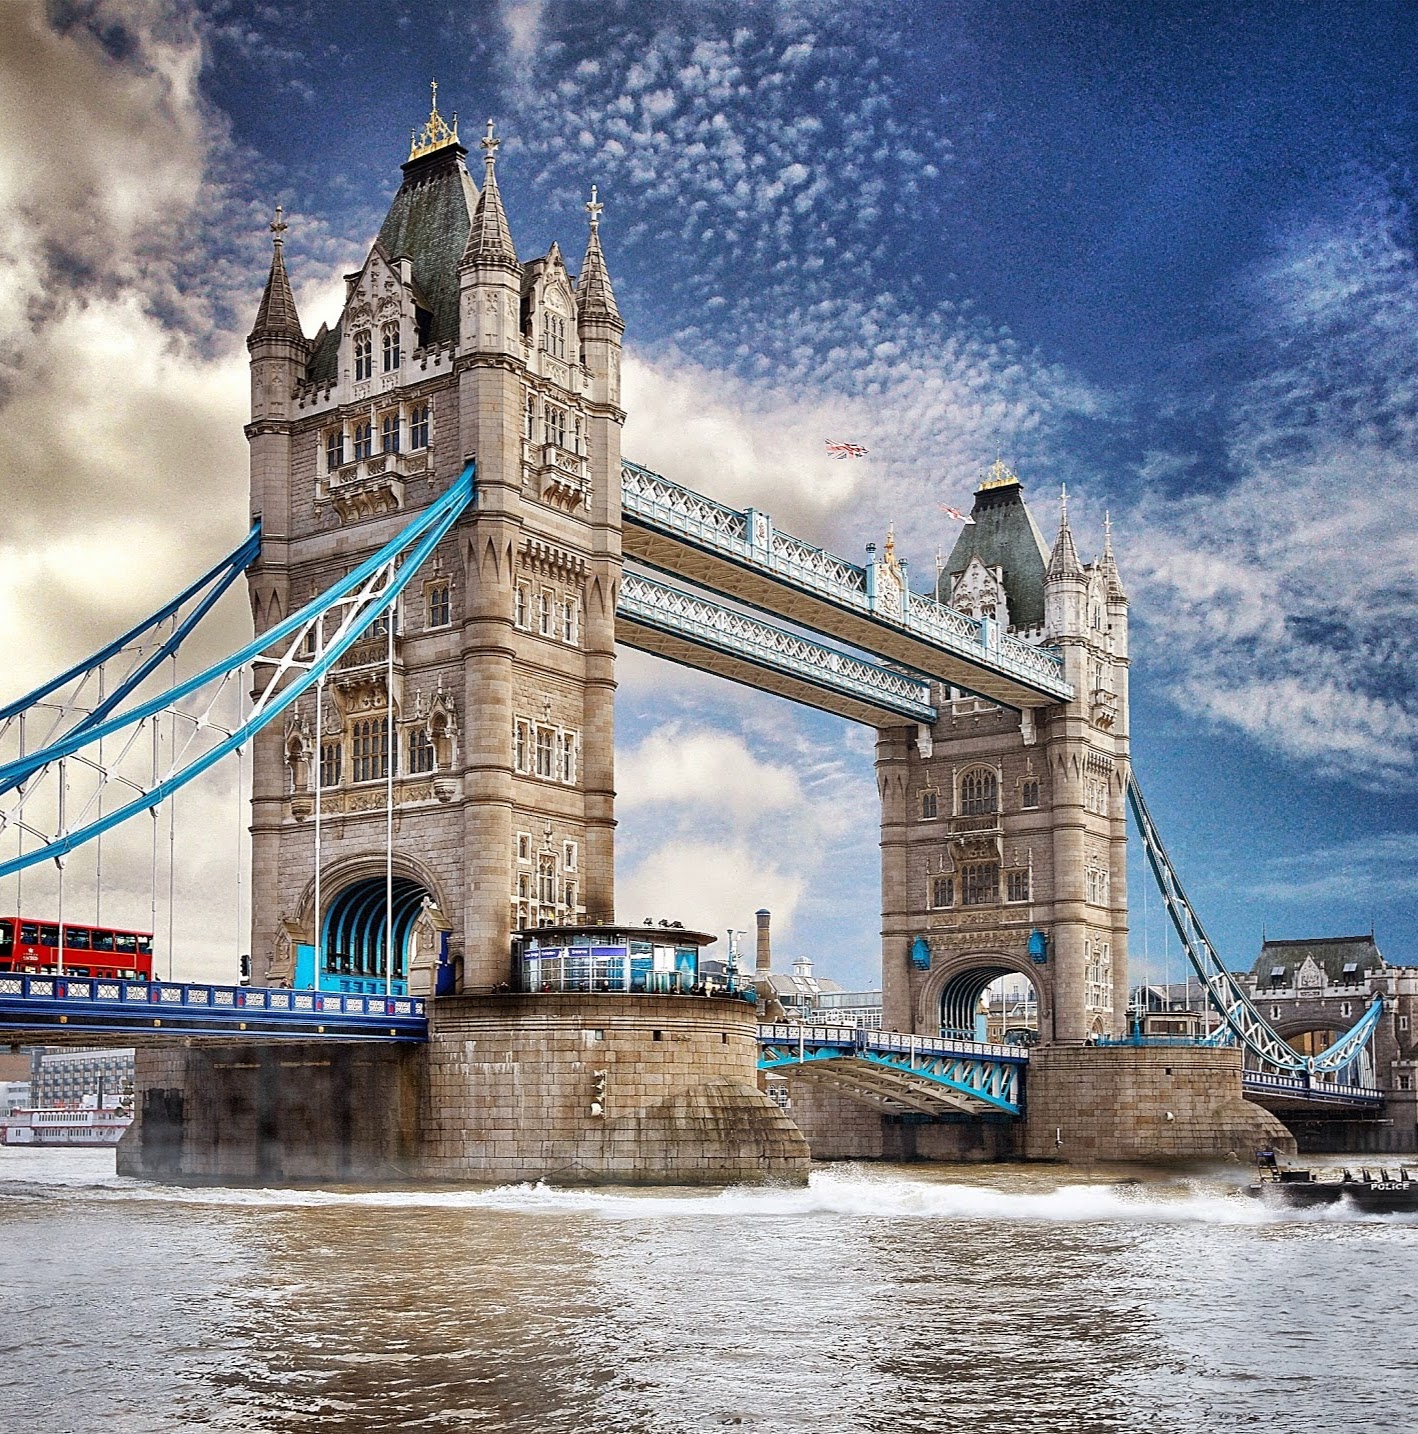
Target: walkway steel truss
{"type": "Point", "coordinates": [689, 628]}
{"type": "Point", "coordinates": [893, 1070]}
{"type": "Point", "coordinates": [741, 554]}
{"type": "Point", "coordinates": [1224, 989]}
{"type": "Point", "coordinates": [297, 653]}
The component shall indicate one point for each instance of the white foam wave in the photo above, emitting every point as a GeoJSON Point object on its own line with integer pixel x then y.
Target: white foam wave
{"type": "Point", "coordinates": [850, 1192]}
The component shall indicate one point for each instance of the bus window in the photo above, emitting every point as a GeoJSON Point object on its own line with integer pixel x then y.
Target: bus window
{"type": "Point", "coordinates": [7, 935]}
{"type": "Point", "coordinates": [49, 936]}
{"type": "Point", "coordinates": [103, 941]}
{"type": "Point", "coordinates": [77, 937]}
{"type": "Point", "coordinates": [29, 933]}
{"type": "Point", "coordinates": [145, 946]}
{"type": "Point", "coordinates": [125, 941]}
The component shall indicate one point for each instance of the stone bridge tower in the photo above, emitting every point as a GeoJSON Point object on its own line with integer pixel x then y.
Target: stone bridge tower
{"type": "Point", "coordinates": [449, 348]}
{"type": "Point", "coordinates": [1004, 835]}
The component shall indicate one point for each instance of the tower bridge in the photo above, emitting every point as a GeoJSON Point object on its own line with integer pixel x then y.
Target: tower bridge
{"type": "Point", "coordinates": [442, 518]}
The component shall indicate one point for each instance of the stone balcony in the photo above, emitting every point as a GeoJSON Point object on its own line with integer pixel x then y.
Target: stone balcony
{"type": "Point", "coordinates": [563, 478]}
{"type": "Point", "coordinates": [371, 487]}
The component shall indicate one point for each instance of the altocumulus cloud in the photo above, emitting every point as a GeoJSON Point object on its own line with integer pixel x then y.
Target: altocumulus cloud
{"type": "Point", "coordinates": [1284, 600]}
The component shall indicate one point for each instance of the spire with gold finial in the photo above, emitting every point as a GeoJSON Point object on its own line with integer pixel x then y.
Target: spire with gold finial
{"type": "Point", "coordinates": [594, 297]}
{"type": "Point", "coordinates": [437, 133]}
{"type": "Point", "coordinates": [1063, 561]}
{"type": "Point", "coordinates": [998, 475]}
{"type": "Point", "coordinates": [489, 238]}
{"type": "Point", "coordinates": [277, 318]}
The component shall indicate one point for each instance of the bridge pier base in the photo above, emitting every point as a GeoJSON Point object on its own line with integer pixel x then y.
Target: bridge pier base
{"type": "Point", "coordinates": [603, 1088]}
{"type": "Point", "coordinates": [299, 1113]}
{"type": "Point", "coordinates": [1146, 1103]}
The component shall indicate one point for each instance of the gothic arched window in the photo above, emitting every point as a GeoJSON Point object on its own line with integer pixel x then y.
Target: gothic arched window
{"type": "Point", "coordinates": [363, 439]}
{"type": "Point", "coordinates": [393, 353]}
{"type": "Point", "coordinates": [979, 792]}
{"type": "Point", "coordinates": [363, 356]}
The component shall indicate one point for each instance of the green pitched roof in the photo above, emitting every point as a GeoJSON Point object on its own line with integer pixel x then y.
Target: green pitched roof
{"type": "Point", "coordinates": [1003, 535]}
{"type": "Point", "coordinates": [428, 221]}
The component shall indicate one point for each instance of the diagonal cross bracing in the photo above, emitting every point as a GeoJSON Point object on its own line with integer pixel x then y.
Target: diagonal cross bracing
{"type": "Point", "coordinates": [742, 555]}
{"type": "Point", "coordinates": [145, 646]}
{"type": "Point", "coordinates": [295, 654]}
{"type": "Point", "coordinates": [1224, 990]}
{"type": "Point", "coordinates": [689, 628]}
{"type": "Point", "coordinates": [918, 1071]}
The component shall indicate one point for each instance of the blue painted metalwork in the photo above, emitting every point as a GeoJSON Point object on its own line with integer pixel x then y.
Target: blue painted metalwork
{"type": "Point", "coordinates": [1223, 988]}
{"type": "Point", "coordinates": [61, 1005]}
{"type": "Point", "coordinates": [1315, 1092]}
{"type": "Point", "coordinates": [750, 540]}
{"type": "Point", "coordinates": [212, 584]}
{"type": "Point", "coordinates": [696, 619]}
{"type": "Point", "coordinates": [921, 954]}
{"type": "Point", "coordinates": [355, 932]}
{"type": "Point", "coordinates": [1039, 948]}
{"type": "Point", "coordinates": [981, 1075]}
{"type": "Point", "coordinates": [369, 590]}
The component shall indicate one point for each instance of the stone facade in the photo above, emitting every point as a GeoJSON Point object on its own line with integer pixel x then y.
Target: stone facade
{"type": "Point", "coordinates": [1004, 834]}
{"type": "Point", "coordinates": [1104, 1103]}
{"type": "Point", "coordinates": [514, 1086]}
{"type": "Point", "coordinates": [449, 349]}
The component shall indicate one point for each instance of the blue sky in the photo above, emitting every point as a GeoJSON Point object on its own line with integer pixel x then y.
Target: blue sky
{"type": "Point", "coordinates": [1164, 253]}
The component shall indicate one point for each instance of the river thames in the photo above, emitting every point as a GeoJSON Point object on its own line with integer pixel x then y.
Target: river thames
{"type": "Point", "coordinates": [879, 1298]}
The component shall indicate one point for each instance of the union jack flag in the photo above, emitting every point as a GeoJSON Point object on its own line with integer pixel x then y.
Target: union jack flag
{"type": "Point", "coordinates": [955, 513]}
{"type": "Point", "coordinates": [846, 450]}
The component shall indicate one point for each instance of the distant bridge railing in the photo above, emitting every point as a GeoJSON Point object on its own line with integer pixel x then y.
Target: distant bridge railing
{"type": "Point", "coordinates": [750, 539]}
{"type": "Point", "coordinates": [1299, 1087]}
{"type": "Point", "coordinates": [982, 1075]}
{"type": "Point", "coordinates": [92, 1005]}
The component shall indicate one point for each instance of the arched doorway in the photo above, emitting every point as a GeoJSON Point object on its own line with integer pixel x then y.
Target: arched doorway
{"type": "Point", "coordinates": [990, 1002]}
{"type": "Point", "coordinates": [356, 932]}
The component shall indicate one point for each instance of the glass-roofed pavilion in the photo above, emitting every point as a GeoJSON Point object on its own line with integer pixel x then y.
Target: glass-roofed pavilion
{"type": "Point", "coordinates": [633, 960]}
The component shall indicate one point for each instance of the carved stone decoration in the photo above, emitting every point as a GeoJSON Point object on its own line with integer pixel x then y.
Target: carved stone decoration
{"type": "Point", "coordinates": [979, 592]}
{"type": "Point", "coordinates": [281, 971]}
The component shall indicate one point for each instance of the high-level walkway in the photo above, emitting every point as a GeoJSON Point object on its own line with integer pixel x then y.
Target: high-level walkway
{"type": "Point", "coordinates": [742, 555]}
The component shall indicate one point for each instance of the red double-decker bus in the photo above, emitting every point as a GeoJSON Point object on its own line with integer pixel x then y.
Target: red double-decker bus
{"type": "Point", "coordinates": [31, 948]}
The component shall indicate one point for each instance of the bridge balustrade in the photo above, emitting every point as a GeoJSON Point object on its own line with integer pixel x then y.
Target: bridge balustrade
{"type": "Point", "coordinates": [152, 1004]}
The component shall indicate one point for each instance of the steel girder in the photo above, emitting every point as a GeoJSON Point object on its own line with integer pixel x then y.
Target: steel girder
{"type": "Point", "coordinates": [688, 627]}
{"type": "Point", "coordinates": [1223, 988]}
{"type": "Point", "coordinates": [919, 1072]}
{"type": "Point", "coordinates": [297, 653]}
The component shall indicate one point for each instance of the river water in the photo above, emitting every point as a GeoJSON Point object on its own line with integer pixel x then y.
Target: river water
{"type": "Point", "coordinates": [880, 1298]}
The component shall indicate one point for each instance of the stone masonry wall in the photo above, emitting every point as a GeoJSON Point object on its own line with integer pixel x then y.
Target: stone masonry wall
{"type": "Point", "coordinates": [300, 1112]}
{"type": "Point", "coordinates": [1102, 1103]}
{"type": "Point", "coordinates": [512, 1079]}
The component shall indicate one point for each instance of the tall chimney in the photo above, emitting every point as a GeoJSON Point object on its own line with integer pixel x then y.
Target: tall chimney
{"type": "Point", "coordinates": [764, 962]}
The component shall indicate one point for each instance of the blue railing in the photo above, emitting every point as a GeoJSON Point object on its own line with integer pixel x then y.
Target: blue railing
{"type": "Point", "coordinates": [66, 1003]}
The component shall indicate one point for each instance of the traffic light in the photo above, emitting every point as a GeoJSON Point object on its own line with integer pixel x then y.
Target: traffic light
{"type": "Point", "coordinates": [598, 1092]}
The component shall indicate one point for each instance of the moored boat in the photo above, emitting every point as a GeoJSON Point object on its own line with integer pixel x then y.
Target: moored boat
{"type": "Point", "coordinates": [1389, 1190]}
{"type": "Point", "coordinates": [84, 1127]}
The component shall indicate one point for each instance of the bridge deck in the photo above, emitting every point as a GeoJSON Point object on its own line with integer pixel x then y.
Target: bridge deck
{"type": "Point", "coordinates": [900, 1073]}
{"type": "Point", "coordinates": [59, 1010]}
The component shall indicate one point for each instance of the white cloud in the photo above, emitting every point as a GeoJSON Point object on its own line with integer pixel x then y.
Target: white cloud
{"type": "Point", "coordinates": [1280, 606]}
{"type": "Point", "coordinates": [704, 769]}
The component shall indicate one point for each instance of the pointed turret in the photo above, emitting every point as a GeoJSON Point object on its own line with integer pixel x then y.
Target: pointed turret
{"type": "Point", "coordinates": [489, 238]}
{"type": "Point", "coordinates": [1108, 566]}
{"type": "Point", "coordinates": [277, 317]}
{"type": "Point", "coordinates": [1063, 561]}
{"type": "Point", "coordinates": [594, 296]}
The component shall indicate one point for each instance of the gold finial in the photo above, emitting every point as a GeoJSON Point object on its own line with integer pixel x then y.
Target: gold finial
{"type": "Point", "coordinates": [436, 133]}
{"type": "Point", "coordinates": [490, 145]}
{"type": "Point", "coordinates": [278, 226]}
{"type": "Point", "coordinates": [594, 210]}
{"type": "Point", "coordinates": [997, 475]}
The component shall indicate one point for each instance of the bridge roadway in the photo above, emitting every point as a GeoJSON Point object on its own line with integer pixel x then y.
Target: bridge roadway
{"type": "Point", "coordinates": [64, 1010]}
{"type": "Point", "coordinates": [742, 556]}
{"type": "Point", "coordinates": [900, 1074]}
